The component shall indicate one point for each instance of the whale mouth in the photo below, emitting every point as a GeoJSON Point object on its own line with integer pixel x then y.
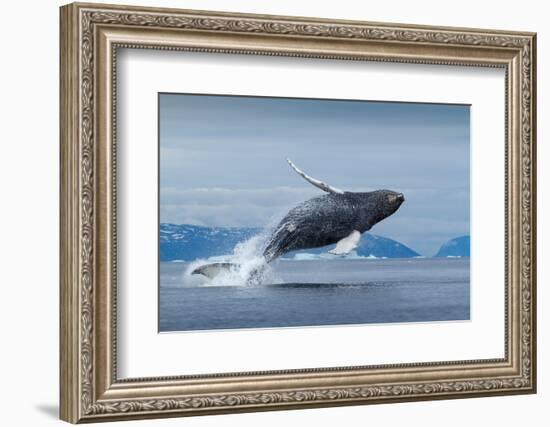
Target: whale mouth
{"type": "Point", "coordinates": [395, 199]}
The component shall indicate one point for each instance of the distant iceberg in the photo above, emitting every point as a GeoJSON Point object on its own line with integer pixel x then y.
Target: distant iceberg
{"type": "Point", "coordinates": [306, 256]}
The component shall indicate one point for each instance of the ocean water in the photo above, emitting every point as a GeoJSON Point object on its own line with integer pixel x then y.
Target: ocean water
{"type": "Point", "coordinates": [318, 292]}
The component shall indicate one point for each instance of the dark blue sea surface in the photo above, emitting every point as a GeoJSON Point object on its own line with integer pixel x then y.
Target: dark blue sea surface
{"type": "Point", "coordinates": [320, 292]}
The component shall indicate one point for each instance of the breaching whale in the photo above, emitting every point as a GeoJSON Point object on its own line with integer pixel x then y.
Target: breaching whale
{"type": "Point", "coordinates": [336, 217]}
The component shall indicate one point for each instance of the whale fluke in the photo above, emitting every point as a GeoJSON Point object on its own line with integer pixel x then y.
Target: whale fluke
{"type": "Point", "coordinates": [212, 270]}
{"type": "Point", "coordinates": [315, 182]}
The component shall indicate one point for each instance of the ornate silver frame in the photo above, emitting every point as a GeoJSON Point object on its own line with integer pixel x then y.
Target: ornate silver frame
{"type": "Point", "coordinates": [90, 36]}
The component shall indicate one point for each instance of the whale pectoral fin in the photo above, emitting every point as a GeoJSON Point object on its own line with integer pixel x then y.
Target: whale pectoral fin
{"type": "Point", "coordinates": [347, 244]}
{"type": "Point", "coordinates": [315, 182]}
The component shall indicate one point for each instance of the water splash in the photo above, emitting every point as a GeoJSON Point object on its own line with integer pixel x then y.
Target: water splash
{"type": "Point", "coordinates": [250, 268]}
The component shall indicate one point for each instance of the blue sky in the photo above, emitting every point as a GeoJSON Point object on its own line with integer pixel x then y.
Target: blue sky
{"type": "Point", "coordinates": [222, 160]}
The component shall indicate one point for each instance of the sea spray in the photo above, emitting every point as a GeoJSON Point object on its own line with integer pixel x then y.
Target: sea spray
{"type": "Point", "coordinates": [249, 266]}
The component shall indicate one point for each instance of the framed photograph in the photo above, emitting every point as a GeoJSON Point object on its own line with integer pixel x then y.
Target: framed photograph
{"type": "Point", "coordinates": [266, 212]}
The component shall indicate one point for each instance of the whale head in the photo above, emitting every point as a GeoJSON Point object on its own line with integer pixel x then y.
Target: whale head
{"type": "Point", "coordinates": [374, 206]}
{"type": "Point", "coordinates": [388, 202]}
{"type": "Point", "coordinates": [393, 200]}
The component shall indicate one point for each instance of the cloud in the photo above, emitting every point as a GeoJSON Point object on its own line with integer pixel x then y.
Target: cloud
{"type": "Point", "coordinates": [230, 207]}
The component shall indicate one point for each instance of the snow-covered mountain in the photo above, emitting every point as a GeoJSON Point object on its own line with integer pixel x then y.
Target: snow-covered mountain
{"type": "Point", "coordinates": [188, 242]}
{"type": "Point", "coordinates": [457, 247]}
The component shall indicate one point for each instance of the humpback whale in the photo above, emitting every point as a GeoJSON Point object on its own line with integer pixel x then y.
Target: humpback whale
{"type": "Point", "coordinates": [336, 217]}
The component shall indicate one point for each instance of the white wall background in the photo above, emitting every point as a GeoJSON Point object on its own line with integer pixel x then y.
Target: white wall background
{"type": "Point", "coordinates": [29, 170]}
